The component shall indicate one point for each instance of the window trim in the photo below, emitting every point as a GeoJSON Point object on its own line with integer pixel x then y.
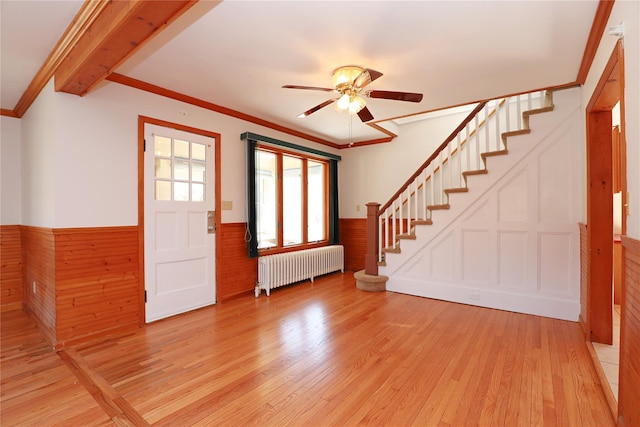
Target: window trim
{"type": "Point", "coordinates": [280, 247]}
{"type": "Point", "coordinates": [333, 226]}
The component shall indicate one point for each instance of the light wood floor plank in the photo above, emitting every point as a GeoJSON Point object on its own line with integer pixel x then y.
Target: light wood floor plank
{"type": "Point", "coordinates": [37, 388]}
{"type": "Point", "coordinates": [311, 355]}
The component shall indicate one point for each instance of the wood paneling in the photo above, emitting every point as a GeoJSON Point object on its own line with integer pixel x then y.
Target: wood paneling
{"type": "Point", "coordinates": [38, 266]}
{"type": "Point", "coordinates": [86, 281]}
{"type": "Point", "coordinates": [10, 268]}
{"type": "Point", "coordinates": [328, 354]}
{"type": "Point", "coordinates": [237, 273]}
{"type": "Point", "coordinates": [96, 282]}
{"type": "Point", "coordinates": [629, 385]}
{"type": "Point", "coordinates": [353, 236]}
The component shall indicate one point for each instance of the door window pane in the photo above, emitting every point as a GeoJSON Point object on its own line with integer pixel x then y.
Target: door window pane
{"type": "Point", "coordinates": [181, 149]}
{"type": "Point", "coordinates": [198, 152]}
{"type": "Point", "coordinates": [291, 200]}
{"type": "Point", "coordinates": [198, 171]}
{"type": "Point", "coordinates": [316, 213]}
{"type": "Point", "coordinates": [163, 190]}
{"type": "Point", "coordinates": [266, 199]}
{"type": "Point", "coordinates": [162, 146]}
{"type": "Point", "coordinates": [163, 168]}
{"type": "Point", "coordinates": [197, 192]}
{"type": "Point", "coordinates": [181, 191]}
{"type": "Point", "coordinates": [181, 170]}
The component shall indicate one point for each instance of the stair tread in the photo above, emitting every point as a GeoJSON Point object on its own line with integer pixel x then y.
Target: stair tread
{"type": "Point", "coordinates": [515, 133]}
{"type": "Point", "coordinates": [475, 172]}
{"type": "Point", "coordinates": [494, 153]}
{"type": "Point", "coordinates": [538, 110]}
{"type": "Point", "coordinates": [456, 190]}
{"type": "Point", "coordinates": [406, 236]}
{"type": "Point", "coordinates": [421, 222]}
{"type": "Point", "coordinates": [438, 207]}
{"type": "Point", "coordinates": [395, 250]}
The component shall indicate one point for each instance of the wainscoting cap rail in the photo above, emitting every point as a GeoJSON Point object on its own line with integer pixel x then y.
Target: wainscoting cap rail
{"type": "Point", "coordinates": [268, 140]}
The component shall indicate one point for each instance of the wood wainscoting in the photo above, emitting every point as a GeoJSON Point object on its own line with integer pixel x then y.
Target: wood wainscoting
{"type": "Point", "coordinates": [39, 278]}
{"type": "Point", "coordinates": [353, 236]}
{"type": "Point", "coordinates": [80, 284]}
{"type": "Point", "coordinates": [237, 273]}
{"type": "Point", "coordinates": [97, 286]}
{"type": "Point", "coordinates": [10, 268]}
{"type": "Point", "coordinates": [86, 279]}
{"type": "Point", "coordinates": [629, 384]}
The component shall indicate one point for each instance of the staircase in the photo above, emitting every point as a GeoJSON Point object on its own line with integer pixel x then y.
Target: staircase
{"type": "Point", "coordinates": [490, 219]}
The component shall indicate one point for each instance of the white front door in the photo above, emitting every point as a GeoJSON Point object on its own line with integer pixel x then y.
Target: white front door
{"type": "Point", "coordinates": [179, 221]}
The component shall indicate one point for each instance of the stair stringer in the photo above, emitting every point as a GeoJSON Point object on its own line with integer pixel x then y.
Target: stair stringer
{"type": "Point", "coordinates": [484, 251]}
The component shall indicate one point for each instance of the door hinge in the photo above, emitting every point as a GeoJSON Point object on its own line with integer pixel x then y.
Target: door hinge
{"type": "Point", "coordinates": [145, 296]}
{"type": "Point", "coordinates": [144, 145]}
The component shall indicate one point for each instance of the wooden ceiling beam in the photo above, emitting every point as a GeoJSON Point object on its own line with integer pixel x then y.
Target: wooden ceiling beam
{"type": "Point", "coordinates": [120, 29]}
{"type": "Point", "coordinates": [83, 19]}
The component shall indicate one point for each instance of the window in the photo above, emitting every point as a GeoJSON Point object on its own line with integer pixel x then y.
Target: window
{"type": "Point", "coordinates": [291, 199]}
{"type": "Point", "coordinates": [180, 170]}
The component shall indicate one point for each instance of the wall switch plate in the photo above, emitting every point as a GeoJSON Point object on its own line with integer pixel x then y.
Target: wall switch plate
{"type": "Point", "coordinates": [227, 205]}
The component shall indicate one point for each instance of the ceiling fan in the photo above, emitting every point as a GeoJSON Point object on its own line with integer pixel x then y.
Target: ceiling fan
{"type": "Point", "coordinates": [349, 82]}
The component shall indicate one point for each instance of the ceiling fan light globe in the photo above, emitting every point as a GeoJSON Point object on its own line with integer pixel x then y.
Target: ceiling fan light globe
{"type": "Point", "coordinates": [343, 102]}
{"type": "Point", "coordinates": [356, 105]}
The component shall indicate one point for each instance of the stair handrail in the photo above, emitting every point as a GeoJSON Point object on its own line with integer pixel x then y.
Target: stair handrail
{"type": "Point", "coordinates": [433, 155]}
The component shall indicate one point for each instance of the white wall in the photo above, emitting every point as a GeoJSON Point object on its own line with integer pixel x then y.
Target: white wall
{"type": "Point", "coordinates": [79, 165]}
{"type": "Point", "coordinates": [628, 13]}
{"type": "Point", "coordinates": [10, 178]}
{"type": "Point", "coordinates": [95, 179]}
{"type": "Point", "coordinates": [39, 161]}
{"type": "Point", "coordinates": [373, 173]}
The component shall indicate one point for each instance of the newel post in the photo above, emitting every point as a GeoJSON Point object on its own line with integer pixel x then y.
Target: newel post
{"type": "Point", "coordinates": [371, 258]}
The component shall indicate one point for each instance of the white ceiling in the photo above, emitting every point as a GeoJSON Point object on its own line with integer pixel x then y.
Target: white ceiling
{"type": "Point", "coordinates": [238, 54]}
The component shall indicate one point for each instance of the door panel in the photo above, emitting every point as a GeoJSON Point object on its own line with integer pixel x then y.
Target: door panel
{"type": "Point", "coordinates": [179, 197]}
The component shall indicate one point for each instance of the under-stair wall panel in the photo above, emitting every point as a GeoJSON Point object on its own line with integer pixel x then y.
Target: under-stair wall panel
{"type": "Point", "coordinates": [511, 242]}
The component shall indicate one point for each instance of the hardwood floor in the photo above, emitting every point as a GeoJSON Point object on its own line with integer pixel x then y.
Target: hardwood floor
{"type": "Point", "coordinates": [311, 354]}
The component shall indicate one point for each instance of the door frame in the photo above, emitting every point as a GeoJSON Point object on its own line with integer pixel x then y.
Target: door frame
{"type": "Point", "coordinates": [608, 91]}
{"type": "Point", "coordinates": [142, 121]}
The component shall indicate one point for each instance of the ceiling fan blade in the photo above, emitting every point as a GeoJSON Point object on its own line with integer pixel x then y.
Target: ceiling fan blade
{"type": "Point", "coordinates": [366, 77]}
{"type": "Point", "coordinates": [316, 108]}
{"type": "Point", "coordinates": [365, 115]}
{"type": "Point", "coordinates": [398, 96]}
{"type": "Point", "coordinates": [324, 89]}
